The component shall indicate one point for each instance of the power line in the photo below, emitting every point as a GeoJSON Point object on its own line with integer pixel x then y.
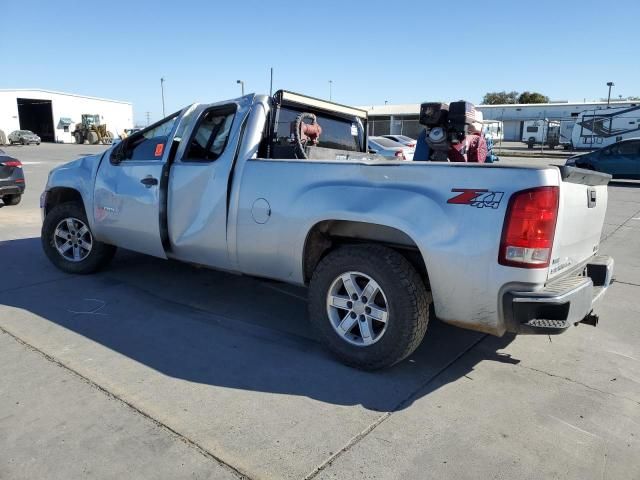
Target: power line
{"type": "Point", "coordinates": [148, 115]}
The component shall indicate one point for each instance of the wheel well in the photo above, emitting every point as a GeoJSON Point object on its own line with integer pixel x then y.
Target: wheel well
{"type": "Point", "coordinates": [59, 195]}
{"type": "Point", "coordinates": [328, 235]}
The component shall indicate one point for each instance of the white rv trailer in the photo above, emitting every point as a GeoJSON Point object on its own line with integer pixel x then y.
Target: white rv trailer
{"type": "Point", "coordinates": [540, 132]}
{"type": "Point", "coordinates": [599, 128]}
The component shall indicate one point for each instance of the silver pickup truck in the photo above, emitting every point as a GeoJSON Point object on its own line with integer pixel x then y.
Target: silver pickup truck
{"type": "Point", "coordinates": [283, 188]}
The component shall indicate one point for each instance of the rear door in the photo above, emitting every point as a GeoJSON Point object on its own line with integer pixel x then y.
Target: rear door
{"type": "Point", "coordinates": [199, 182]}
{"type": "Point", "coordinates": [128, 197]}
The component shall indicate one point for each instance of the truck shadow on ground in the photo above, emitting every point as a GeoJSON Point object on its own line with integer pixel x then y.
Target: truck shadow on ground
{"type": "Point", "coordinates": [220, 329]}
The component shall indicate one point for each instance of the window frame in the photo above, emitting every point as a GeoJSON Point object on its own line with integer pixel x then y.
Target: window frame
{"type": "Point", "coordinates": [226, 109]}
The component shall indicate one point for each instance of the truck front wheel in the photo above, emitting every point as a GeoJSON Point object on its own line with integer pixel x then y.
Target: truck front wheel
{"type": "Point", "coordinates": [68, 241]}
{"type": "Point", "coordinates": [369, 305]}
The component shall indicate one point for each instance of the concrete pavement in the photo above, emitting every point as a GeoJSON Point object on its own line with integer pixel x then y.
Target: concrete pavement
{"type": "Point", "coordinates": [182, 371]}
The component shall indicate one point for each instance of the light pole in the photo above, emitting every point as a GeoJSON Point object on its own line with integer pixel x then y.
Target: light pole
{"type": "Point", "coordinates": [162, 90]}
{"type": "Point", "coordinates": [241, 86]}
{"type": "Point", "coordinates": [609, 84]}
{"type": "Point", "coordinates": [330, 90]}
{"type": "Point", "coordinates": [271, 83]}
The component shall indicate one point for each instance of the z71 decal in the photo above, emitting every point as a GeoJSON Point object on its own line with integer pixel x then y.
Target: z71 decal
{"type": "Point", "coordinates": [479, 198]}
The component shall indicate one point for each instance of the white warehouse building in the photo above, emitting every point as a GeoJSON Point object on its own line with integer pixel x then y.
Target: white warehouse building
{"type": "Point", "coordinates": [53, 115]}
{"type": "Point", "coordinates": [403, 119]}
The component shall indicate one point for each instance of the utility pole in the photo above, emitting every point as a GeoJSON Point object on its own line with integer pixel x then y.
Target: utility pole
{"type": "Point", "coordinates": [330, 90]}
{"type": "Point", "coordinates": [241, 82]}
{"type": "Point", "coordinates": [162, 90]}
{"type": "Point", "coordinates": [609, 84]}
{"type": "Point", "coordinates": [271, 84]}
{"type": "Point", "coordinates": [148, 114]}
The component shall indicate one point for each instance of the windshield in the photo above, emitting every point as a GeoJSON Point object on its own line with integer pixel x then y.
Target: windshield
{"type": "Point", "coordinates": [26, 132]}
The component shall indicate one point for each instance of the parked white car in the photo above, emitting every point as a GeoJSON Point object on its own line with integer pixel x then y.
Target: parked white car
{"type": "Point", "coordinates": [390, 149]}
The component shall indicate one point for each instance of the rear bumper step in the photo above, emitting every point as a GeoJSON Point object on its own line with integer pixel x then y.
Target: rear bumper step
{"type": "Point", "coordinates": [561, 303]}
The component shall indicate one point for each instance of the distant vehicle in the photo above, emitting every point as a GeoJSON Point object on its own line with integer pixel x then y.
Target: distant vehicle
{"type": "Point", "coordinates": [11, 179]}
{"type": "Point", "coordinates": [599, 128]}
{"type": "Point", "coordinates": [566, 132]}
{"type": "Point", "coordinates": [92, 130]}
{"type": "Point", "coordinates": [541, 132]}
{"type": "Point", "coordinates": [402, 139]}
{"type": "Point", "coordinates": [390, 149]}
{"type": "Point", "coordinates": [620, 160]}
{"type": "Point", "coordinates": [24, 137]}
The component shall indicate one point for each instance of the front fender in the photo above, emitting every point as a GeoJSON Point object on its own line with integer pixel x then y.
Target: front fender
{"type": "Point", "coordinates": [78, 175]}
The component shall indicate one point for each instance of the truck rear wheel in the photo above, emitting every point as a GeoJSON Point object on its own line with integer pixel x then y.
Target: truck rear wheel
{"type": "Point", "coordinates": [68, 242]}
{"type": "Point", "coordinates": [369, 305]}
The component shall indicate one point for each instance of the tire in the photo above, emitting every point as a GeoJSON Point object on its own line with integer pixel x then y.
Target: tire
{"type": "Point", "coordinates": [11, 200]}
{"type": "Point", "coordinates": [79, 139]}
{"type": "Point", "coordinates": [97, 257]}
{"type": "Point", "coordinates": [24, 142]}
{"type": "Point", "coordinates": [401, 290]}
{"type": "Point", "coordinates": [92, 137]}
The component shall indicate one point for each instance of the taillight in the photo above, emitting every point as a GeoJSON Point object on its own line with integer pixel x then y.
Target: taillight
{"type": "Point", "coordinates": [529, 228]}
{"type": "Point", "coordinates": [400, 155]}
{"type": "Point", "coordinates": [12, 163]}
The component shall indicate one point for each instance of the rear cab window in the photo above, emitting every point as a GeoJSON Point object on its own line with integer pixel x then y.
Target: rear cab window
{"type": "Point", "coordinates": [336, 132]}
{"type": "Point", "coordinates": [343, 128]}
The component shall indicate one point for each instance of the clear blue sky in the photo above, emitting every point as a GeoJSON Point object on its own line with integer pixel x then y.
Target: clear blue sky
{"type": "Point", "coordinates": [373, 51]}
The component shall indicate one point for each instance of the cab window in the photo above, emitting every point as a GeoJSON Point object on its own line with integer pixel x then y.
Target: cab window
{"type": "Point", "coordinates": [149, 144]}
{"type": "Point", "coordinates": [337, 133]}
{"type": "Point", "coordinates": [211, 135]}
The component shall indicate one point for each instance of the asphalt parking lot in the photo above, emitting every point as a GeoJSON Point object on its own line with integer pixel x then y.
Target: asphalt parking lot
{"type": "Point", "coordinates": [154, 369]}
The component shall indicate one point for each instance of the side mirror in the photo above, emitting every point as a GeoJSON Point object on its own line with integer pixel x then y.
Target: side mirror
{"type": "Point", "coordinates": [118, 153]}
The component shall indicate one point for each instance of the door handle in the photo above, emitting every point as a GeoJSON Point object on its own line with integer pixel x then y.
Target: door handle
{"type": "Point", "coordinates": [149, 181]}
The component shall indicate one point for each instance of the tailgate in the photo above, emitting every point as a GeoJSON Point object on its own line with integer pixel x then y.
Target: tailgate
{"type": "Point", "coordinates": [583, 204]}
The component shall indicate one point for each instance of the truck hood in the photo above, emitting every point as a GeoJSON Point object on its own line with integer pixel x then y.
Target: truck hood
{"type": "Point", "coordinates": [84, 167]}
{"type": "Point", "coordinates": [89, 161]}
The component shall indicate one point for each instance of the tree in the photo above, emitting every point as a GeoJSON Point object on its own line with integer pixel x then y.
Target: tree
{"type": "Point", "coordinates": [532, 97]}
{"type": "Point", "coordinates": [499, 98]}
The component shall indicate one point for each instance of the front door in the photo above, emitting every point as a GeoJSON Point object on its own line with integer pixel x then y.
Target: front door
{"type": "Point", "coordinates": [127, 192]}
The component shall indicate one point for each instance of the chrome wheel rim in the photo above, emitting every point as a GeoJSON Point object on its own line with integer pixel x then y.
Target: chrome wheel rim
{"type": "Point", "coordinates": [72, 239]}
{"type": "Point", "coordinates": [357, 309]}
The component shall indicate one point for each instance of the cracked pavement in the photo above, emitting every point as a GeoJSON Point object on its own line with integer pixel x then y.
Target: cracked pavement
{"type": "Point", "coordinates": [154, 369]}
